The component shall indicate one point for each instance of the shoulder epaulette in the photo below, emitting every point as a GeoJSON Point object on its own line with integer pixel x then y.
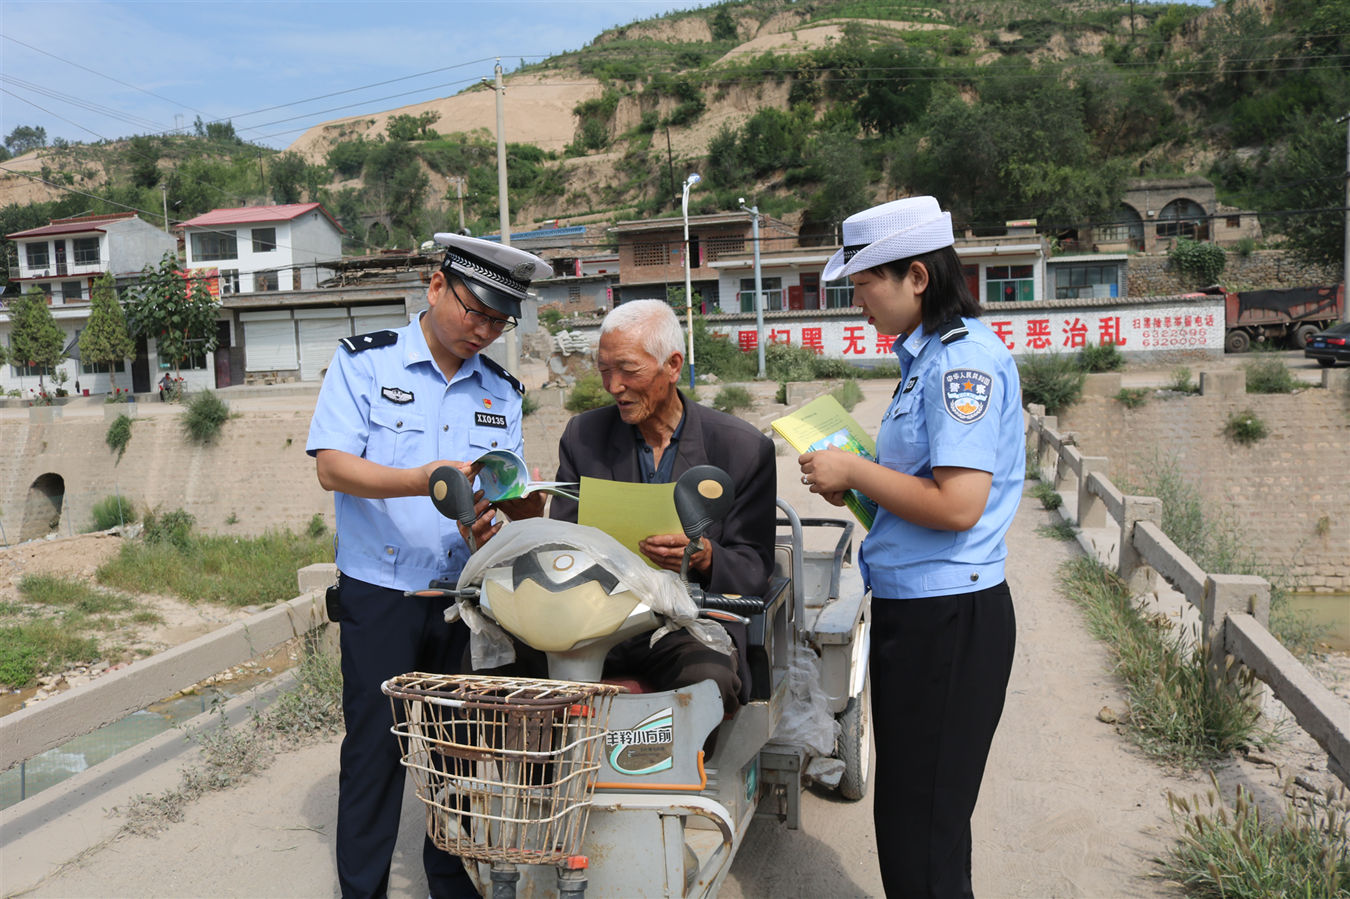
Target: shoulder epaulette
{"type": "Point", "coordinates": [952, 329]}
{"type": "Point", "coordinates": [506, 376]}
{"type": "Point", "coordinates": [373, 340]}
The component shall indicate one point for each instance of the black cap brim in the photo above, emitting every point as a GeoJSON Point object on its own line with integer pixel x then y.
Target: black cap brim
{"type": "Point", "coordinates": [491, 297]}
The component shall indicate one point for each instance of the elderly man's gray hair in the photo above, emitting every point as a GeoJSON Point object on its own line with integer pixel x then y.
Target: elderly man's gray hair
{"type": "Point", "coordinates": [653, 321]}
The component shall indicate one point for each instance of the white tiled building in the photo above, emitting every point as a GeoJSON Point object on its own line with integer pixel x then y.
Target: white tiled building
{"type": "Point", "coordinates": [63, 258]}
{"type": "Point", "coordinates": [256, 249]}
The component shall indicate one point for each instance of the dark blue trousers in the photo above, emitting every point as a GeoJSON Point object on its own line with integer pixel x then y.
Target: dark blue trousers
{"type": "Point", "coordinates": [939, 669]}
{"type": "Point", "coordinates": [385, 634]}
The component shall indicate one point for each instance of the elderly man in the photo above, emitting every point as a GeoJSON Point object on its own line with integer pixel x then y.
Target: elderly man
{"type": "Point", "coordinates": [653, 434]}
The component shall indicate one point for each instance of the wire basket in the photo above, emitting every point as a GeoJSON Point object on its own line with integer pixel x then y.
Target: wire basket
{"type": "Point", "coordinates": [506, 766]}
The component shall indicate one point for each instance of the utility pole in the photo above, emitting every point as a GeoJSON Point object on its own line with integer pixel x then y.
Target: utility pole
{"type": "Point", "coordinates": [164, 195]}
{"type": "Point", "coordinates": [759, 283]}
{"type": "Point", "coordinates": [512, 347]}
{"type": "Point", "coordinates": [1345, 252]}
{"type": "Point", "coordinates": [458, 181]}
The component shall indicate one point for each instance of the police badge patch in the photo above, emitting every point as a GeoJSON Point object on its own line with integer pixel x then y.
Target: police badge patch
{"type": "Point", "coordinates": [965, 394]}
{"type": "Point", "coordinates": [396, 395]}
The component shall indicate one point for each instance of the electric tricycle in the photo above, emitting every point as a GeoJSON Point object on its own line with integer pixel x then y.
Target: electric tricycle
{"type": "Point", "coordinates": [567, 784]}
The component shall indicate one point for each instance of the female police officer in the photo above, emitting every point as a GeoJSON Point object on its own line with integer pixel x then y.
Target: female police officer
{"type": "Point", "coordinates": [394, 406]}
{"type": "Point", "coordinates": [947, 481]}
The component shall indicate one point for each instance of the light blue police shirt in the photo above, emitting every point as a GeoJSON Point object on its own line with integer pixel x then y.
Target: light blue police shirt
{"type": "Point", "coordinates": [958, 404]}
{"type": "Point", "coordinates": [391, 405]}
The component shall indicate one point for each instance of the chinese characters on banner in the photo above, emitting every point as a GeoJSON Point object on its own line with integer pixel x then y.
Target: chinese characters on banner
{"type": "Point", "coordinates": [1194, 325]}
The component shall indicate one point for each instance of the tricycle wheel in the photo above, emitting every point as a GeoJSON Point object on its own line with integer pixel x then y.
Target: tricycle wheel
{"type": "Point", "coordinates": [855, 743]}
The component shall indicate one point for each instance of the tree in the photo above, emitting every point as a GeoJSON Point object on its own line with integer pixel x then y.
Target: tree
{"type": "Point", "coordinates": [1305, 179]}
{"type": "Point", "coordinates": [25, 138]}
{"type": "Point", "coordinates": [143, 151]}
{"type": "Point", "coordinates": [182, 322]}
{"type": "Point", "coordinates": [35, 339]}
{"type": "Point", "coordinates": [287, 174]}
{"type": "Point", "coordinates": [105, 339]}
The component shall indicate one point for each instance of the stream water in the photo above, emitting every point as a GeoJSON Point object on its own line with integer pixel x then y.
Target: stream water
{"type": "Point", "coordinates": [67, 760]}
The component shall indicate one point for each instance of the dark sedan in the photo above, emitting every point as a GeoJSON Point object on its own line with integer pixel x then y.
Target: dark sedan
{"type": "Point", "coordinates": [1330, 346]}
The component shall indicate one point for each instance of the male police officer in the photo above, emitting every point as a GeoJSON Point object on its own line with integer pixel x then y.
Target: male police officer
{"type": "Point", "coordinates": [394, 406]}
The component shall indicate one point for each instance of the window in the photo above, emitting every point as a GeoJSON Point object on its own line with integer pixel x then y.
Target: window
{"type": "Point", "coordinates": [1009, 284]}
{"type": "Point", "coordinates": [265, 280]}
{"type": "Point", "coordinates": [655, 253]}
{"type": "Point", "coordinates": [1183, 218]}
{"type": "Point", "coordinates": [264, 240]}
{"type": "Point", "coordinates": [38, 255]}
{"type": "Point", "coordinates": [72, 291]}
{"type": "Point", "coordinates": [229, 281]}
{"type": "Point", "coordinates": [1075, 282]}
{"type": "Point", "coordinates": [195, 360]}
{"type": "Point", "coordinates": [773, 293]}
{"type": "Point", "coordinates": [209, 245]}
{"type": "Point", "coordinates": [726, 245]}
{"type": "Point", "coordinates": [838, 294]}
{"type": "Point", "coordinates": [86, 250]}
{"type": "Point", "coordinates": [573, 293]}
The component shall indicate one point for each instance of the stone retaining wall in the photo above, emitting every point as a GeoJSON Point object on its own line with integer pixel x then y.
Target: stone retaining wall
{"type": "Point", "coordinates": [1284, 495]}
{"type": "Point", "coordinates": [1153, 275]}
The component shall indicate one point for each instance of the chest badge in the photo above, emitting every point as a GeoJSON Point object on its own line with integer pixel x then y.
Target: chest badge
{"type": "Point", "coordinates": [965, 394]}
{"type": "Point", "coordinates": [396, 395]}
{"type": "Point", "coordinates": [487, 402]}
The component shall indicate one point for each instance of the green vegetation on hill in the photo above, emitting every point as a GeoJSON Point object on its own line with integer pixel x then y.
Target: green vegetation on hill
{"type": "Point", "coordinates": [1006, 110]}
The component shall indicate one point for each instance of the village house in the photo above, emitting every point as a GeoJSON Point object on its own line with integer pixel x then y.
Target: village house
{"type": "Point", "coordinates": [62, 258]}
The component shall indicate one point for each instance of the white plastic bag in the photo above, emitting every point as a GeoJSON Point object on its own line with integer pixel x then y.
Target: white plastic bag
{"type": "Point", "coordinates": [807, 720]}
{"type": "Point", "coordinates": [661, 590]}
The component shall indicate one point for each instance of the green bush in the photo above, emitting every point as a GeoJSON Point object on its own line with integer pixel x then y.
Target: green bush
{"type": "Point", "coordinates": [172, 528]}
{"type": "Point", "coordinates": [849, 394]}
{"type": "Point", "coordinates": [111, 512]}
{"type": "Point", "coordinates": [1052, 380]}
{"type": "Point", "coordinates": [206, 412]}
{"type": "Point", "coordinates": [528, 405]}
{"type": "Point", "coordinates": [1132, 397]}
{"type": "Point", "coordinates": [551, 319]}
{"type": "Point", "coordinates": [119, 435]}
{"type": "Point", "coordinates": [1202, 263]}
{"type": "Point", "coordinates": [732, 398]}
{"type": "Point", "coordinates": [1269, 376]}
{"type": "Point", "coordinates": [588, 393]}
{"type": "Point", "coordinates": [1048, 495]}
{"type": "Point", "coordinates": [1244, 427]}
{"type": "Point", "coordinates": [317, 527]}
{"type": "Point", "coordinates": [784, 362]}
{"type": "Point", "coordinates": [1181, 381]}
{"type": "Point", "coordinates": [1103, 357]}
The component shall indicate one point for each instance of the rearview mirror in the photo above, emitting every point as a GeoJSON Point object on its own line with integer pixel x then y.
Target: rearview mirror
{"type": "Point", "coordinates": [452, 494]}
{"type": "Point", "coordinates": [703, 494]}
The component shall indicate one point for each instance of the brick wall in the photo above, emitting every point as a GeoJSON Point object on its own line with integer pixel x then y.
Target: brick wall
{"type": "Point", "coordinates": [1273, 493]}
{"type": "Point", "coordinates": [1153, 275]}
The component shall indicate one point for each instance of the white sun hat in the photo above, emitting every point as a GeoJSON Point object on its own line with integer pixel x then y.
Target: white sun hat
{"type": "Point", "coordinates": [895, 230]}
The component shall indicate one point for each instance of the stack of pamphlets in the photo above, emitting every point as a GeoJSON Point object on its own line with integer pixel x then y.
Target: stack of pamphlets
{"type": "Point", "coordinates": [823, 423]}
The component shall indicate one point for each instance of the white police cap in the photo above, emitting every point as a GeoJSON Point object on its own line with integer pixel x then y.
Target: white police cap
{"type": "Point", "coordinates": [497, 275]}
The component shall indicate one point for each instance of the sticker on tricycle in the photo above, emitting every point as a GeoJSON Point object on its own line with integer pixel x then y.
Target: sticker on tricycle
{"type": "Point", "coordinates": [646, 748]}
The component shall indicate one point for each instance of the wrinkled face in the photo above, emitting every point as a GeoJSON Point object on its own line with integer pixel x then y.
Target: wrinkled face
{"type": "Point", "coordinates": [453, 323]}
{"type": "Point", "coordinates": [893, 307]}
{"type": "Point", "coordinates": [639, 383]}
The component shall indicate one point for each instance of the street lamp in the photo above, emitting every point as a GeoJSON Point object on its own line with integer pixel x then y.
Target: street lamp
{"type": "Point", "coordinates": [688, 292]}
{"type": "Point", "coordinates": [759, 286]}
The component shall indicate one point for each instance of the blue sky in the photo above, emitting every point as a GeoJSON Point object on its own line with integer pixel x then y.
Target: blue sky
{"type": "Point", "coordinates": [91, 70]}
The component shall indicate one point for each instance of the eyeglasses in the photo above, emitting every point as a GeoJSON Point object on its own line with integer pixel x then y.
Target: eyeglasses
{"type": "Point", "coordinates": [476, 318]}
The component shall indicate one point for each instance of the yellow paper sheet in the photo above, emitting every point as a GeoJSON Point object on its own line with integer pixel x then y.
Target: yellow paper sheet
{"type": "Point", "coordinates": [628, 512]}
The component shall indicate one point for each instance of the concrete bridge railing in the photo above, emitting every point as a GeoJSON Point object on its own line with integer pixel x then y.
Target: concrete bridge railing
{"type": "Point", "coordinates": [1234, 609]}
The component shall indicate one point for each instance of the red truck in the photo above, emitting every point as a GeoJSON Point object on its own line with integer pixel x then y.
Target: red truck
{"type": "Point", "coordinates": [1288, 315]}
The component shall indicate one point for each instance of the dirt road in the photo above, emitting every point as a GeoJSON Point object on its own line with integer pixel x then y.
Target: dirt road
{"type": "Point", "coordinates": [1068, 807]}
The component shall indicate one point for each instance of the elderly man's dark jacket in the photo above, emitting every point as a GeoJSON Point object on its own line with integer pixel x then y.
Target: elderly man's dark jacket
{"type": "Point", "coordinates": [599, 444]}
